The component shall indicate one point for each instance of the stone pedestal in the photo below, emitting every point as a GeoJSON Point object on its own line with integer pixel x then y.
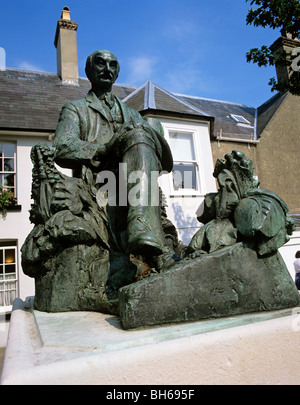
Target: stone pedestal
{"type": "Point", "coordinates": [92, 348]}
{"type": "Point", "coordinates": [231, 281]}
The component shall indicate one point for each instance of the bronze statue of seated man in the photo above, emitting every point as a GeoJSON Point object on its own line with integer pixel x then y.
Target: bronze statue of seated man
{"type": "Point", "coordinates": [97, 133]}
{"type": "Point", "coordinates": [91, 236]}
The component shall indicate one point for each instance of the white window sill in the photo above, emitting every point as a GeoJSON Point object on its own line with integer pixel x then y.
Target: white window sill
{"type": "Point", "coordinates": [5, 309]}
{"type": "Point", "coordinates": [186, 194]}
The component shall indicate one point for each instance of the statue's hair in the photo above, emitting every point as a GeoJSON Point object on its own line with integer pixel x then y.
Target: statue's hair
{"type": "Point", "coordinates": [90, 59]}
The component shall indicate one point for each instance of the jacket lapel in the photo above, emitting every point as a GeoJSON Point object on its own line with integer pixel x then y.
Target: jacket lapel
{"type": "Point", "coordinates": [95, 104]}
{"type": "Point", "coordinates": [124, 109]}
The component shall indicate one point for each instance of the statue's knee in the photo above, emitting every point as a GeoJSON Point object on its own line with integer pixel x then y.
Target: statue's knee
{"type": "Point", "coordinates": [138, 137]}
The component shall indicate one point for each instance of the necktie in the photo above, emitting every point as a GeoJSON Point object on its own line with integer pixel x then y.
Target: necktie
{"type": "Point", "coordinates": [109, 101]}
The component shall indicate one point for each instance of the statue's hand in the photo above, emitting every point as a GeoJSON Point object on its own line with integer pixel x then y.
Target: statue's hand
{"type": "Point", "coordinates": [136, 125]}
{"type": "Point", "coordinates": [110, 145]}
{"type": "Point", "coordinates": [120, 139]}
{"type": "Point", "coordinates": [104, 150]}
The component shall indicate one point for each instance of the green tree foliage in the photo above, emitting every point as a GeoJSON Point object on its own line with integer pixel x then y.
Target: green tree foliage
{"type": "Point", "coordinates": [283, 15]}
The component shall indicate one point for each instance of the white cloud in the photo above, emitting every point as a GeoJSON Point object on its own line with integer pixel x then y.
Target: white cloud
{"type": "Point", "coordinates": [180, 30]}
{"type": "Point", "coordinates": [29, 66]}
{"type": "Point", "coordinates": [186, 80]}
{"type": "Point", "coordinates": [140, 69]}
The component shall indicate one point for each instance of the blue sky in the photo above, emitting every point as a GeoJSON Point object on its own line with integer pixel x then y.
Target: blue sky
{"type": "Point", "coordinates": [194, 47]}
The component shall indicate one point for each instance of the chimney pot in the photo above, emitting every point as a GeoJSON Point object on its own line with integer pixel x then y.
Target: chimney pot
{"type": "Point", "coordinates": [65, 15]}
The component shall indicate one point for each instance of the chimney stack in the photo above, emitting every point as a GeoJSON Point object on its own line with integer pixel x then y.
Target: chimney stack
{"type": "Point", "coordinates": [285, 43]}
{"type": "Point", "coordinates": [66, 48]}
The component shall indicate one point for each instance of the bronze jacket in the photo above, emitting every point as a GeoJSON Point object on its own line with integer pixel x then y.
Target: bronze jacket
{"type": "Point", "coordinates": [83, 125]}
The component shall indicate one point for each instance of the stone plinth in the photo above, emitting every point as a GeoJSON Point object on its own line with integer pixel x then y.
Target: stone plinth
{"type": "Point", "coordinates": [231, 281]}
{"type": "Point", "coordinates": [92, 348]}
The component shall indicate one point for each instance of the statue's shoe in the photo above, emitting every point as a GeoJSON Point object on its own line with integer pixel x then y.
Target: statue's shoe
{"type": "Point", "coordinates": [141, 241]}
{"type": "Point", "coordinates": [166, 260]}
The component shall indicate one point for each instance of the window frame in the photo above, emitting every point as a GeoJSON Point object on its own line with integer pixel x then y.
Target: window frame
{"type": "Point", "coordinates": [4, 246]}
{"type": "Point", "coordinates": [14, 172]}
{"type": "Point", "coordinates": [198, 162]}
{"type": "Point", "coordinates": [240, 119]}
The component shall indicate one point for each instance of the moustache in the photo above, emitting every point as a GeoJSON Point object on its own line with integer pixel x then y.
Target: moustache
{"type": "Point", "coordinates": [106, 75]}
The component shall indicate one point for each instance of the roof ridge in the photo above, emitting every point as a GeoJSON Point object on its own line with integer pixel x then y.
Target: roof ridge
{"type": "Point", "coordinates": [39, 72]}
{"type": "Point", "coordinates": [55, 74]}
{"type": "Point", "coordinates": [183, 102]}
{"type": "Point", "coordinates": [276, 102]}
{"type": "Point", "coordinates": [28, 71]}
{"type": "Point", "coordinates": [211, 99]}
{"type": "Point", "coordinates": [277, 95]}
{"type": "Point", "coordinates": [134, 92]}
{"type": "Point", "coordinates": [124, 85]}
{"type": "Point", "coordinates": [149, 97]}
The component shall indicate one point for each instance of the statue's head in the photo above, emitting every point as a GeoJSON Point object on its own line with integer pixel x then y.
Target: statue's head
{"type": "Point", "coordinates": [235, 178]}
{"type": "Point", "coordinates": [102, 69]}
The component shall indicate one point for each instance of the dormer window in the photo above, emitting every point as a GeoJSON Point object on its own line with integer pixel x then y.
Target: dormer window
{"type": "Point", "coordinates": [191, 150]}
{"type": "Point", "coordinates": [240, 119]}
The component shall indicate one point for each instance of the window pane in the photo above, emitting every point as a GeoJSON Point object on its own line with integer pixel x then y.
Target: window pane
{"type": "Point", "coordinates": [10, 297]}
{"type": "Point", "coordinates": [10, 256]}
{"type": "Point", "coordinates": [184, 176]}
{"type": "Point", "coordinates": [240, 118]}
{"type": "Point", "coordinates": [9, 149]}
{"type": "Point", "coordinates": [8, 273]}
{"type": "Point", "coordinates": [9, 180]}
{"type": "Point", "coordinates": [182, 146]}
{"type": "Point", "coordinates": [9, 268]}
{"type": "Point", "coordinates": [9, 165]}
